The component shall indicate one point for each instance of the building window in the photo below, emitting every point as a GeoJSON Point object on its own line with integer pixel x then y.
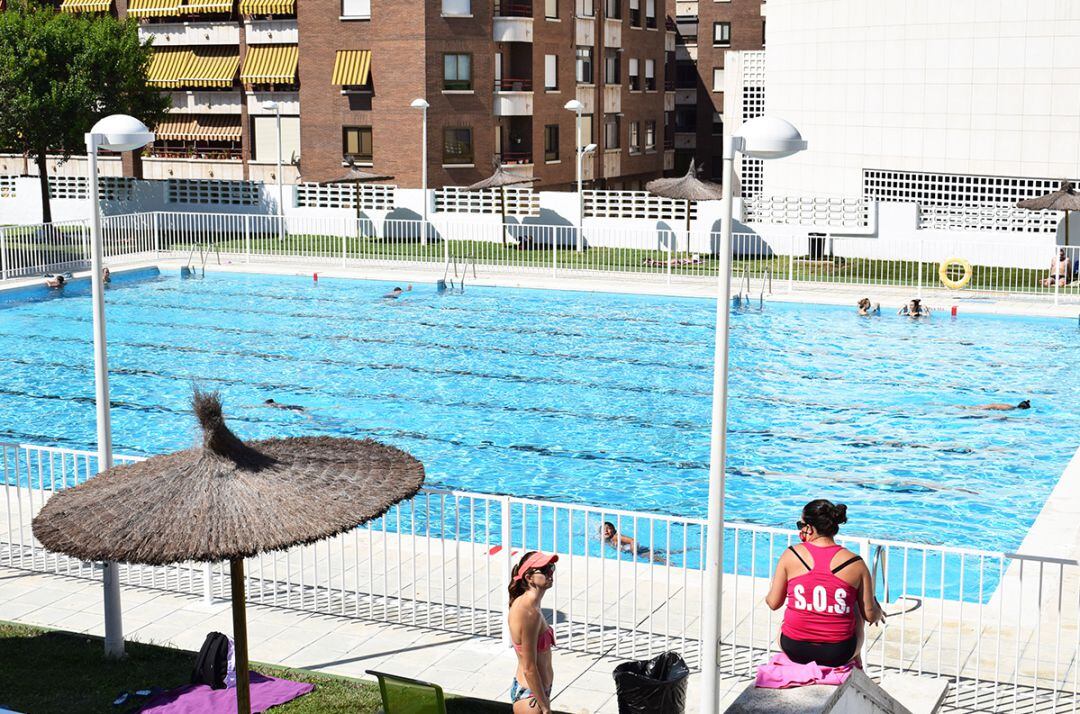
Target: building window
{"type": "Point", "coordinates": [551, 142]}
{"type": "Point", "coordinates": [717, 124]}
{"type": "Point", "coordinates": [685, 75]}
{"type": "Point", "coordinates": [457, 73]}
{"type": "Point", "coordinates": [585, 8]}
{"type": "Point", "coordinates": [584, 65]}
{"type": "Point", "coordinates": [635, 78]}
{"type": "Point", "coordinates": [718, 79]}
{"type": "Point", "coordinates": [650, 75]}
{"type": "Point", "coordinates": [635, 13]}
{"type": "Point", "coordinates": [611, 67]}
{"type": "Point", "coordinates": [613, 9]}
{"type": "Point", "coordinates": [551, 9]}
{"type": "Point", "coordinates": [457, 145]}
{"type": "Point", "coordinates": [650, 135]}
{"type": "Point", "coordinates": [457, 8]}
{"type": "Point", "coordinates": [650, 14]}
{"type": "Point", "coordinates": [721, 34]}
{"type": "Point", "coordinates": [611, 131]}
{"type": "Point", "coordinates": [551, 72]}
{"type": "Point", "coordinates": [686, 26]}
{"type": "Point", "coordinates": [356, 8]}
{"type": "Point", "coordinates": [356, 144]}
{"type": "Point", "coordinates": [635, 137]}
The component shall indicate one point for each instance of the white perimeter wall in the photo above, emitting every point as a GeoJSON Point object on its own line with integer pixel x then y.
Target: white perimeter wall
{"type": "Point", "coordinates": [950, 86]}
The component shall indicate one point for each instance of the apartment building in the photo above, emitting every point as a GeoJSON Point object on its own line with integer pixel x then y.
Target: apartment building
{"type": "Point", "coordinates": [341, 76]}
{"type": "Point", "coordinates": [707, 29]}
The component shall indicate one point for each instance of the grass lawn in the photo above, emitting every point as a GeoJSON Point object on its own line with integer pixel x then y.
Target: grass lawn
{"type": "Point", "coordinates": [43, 671]}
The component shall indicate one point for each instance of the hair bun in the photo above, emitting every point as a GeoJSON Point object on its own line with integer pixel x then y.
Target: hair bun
{"type": "Point", "coordinates": [839, 514]}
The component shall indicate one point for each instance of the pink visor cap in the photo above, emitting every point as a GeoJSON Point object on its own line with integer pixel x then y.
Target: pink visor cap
{"type": "Point", "coordinates": [536, 561]}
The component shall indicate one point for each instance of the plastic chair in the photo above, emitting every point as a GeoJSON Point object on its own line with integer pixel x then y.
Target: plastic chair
{"type": "Point", "coordinates": [401, 695]}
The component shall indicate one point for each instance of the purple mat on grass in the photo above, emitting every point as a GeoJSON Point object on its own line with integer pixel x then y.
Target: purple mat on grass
{"type": "Point", "coordinates": [266, 692]}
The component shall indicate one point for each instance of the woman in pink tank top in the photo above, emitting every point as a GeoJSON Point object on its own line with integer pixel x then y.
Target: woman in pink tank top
{"type": "Point", "coordinates": [827, 589]}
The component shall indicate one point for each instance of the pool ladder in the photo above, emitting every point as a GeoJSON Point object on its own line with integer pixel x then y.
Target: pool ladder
{"type": "Point", "coordinates": [743, 298]}
{"type": "Point", "coordinates": [468, 261]}
{"type": "Point", "coordinates": [204, 255]}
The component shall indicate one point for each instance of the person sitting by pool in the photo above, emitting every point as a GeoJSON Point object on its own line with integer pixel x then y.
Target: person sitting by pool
{"type": "Point", "coordinates": [914, 308]}
{"type": "Point", "coordinates": [827, 589]}
{"type": "Point", "coordinates": [55, 281]}
{"type": "Point", "coordinates": [1059, 271]}
{"type": "Point", "coordinates": [612, 537]}
{"type": "Point", "coordinates": [1000, 407]}
{"type": "Point", "coordinates": [396, 293]}
{"type": "Point", "coordinates": [287, 407]}
{"type": "Point", "coordinates": [866, 309]}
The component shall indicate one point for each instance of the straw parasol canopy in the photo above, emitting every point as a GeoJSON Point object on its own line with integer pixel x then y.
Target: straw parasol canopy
{"type": "Point", "coordinates": [686, 188]}
{"type": "Point", "coordinates": [358, 176]}
{"type": "Point", "coordinates": [228, 500]}
{"type": "Point", "coordinates": [500, 180]}
{"type": "Point", "coordinates": [1064, 199]}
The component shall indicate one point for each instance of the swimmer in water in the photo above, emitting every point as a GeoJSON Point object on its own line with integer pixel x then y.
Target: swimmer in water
{"type": "Point", "coordinates": [106, 276]}
{"type": "Point", "coordinates": [999, 407]}
{"type": "Point", "coordinates": [612, 537]}
{"type": "Point", "coordinates": [865, 309]}
{"type": "Point", "coordinates": [287, 407]}
{"type": "Point", "coordinates": [396, 292]}
{"type": "Point", "coordinates": [55, 281]}
{"type": "Point", "coordinates": [914, 308]}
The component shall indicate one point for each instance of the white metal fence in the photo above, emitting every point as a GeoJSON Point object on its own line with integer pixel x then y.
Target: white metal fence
{"type": "Point", "coordinates": [667, 252]}
{"type": "Point", "coordinates": [1003, 628]}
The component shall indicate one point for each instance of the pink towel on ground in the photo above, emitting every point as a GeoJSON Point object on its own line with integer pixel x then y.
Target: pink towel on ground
{"type": "Point", "coordinates": [780, 673]}
{"type": "Point", "coordinates": [266, 692]}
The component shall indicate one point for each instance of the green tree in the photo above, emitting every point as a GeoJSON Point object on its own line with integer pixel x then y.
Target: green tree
{"type": "Point", "coordinates": [60, 73]}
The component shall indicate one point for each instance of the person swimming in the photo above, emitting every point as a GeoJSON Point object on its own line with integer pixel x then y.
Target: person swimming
{"type": "Point", "coordinates": [866, 309]}
{"type": "Point", "coordinates": [287, 407]}
{"type": "Point", "coordinates": [914, 308]}
{"type": "Point", "coordinates": [106, 276]}
{"type": "Point", "coordinates": [55, 281]}
{"type": "Point", "coordinates": [397, 292]}
{"type": "Point", "coordinates": [612, 537]}
{"type": "Point", "coordinates": [1000, 407]}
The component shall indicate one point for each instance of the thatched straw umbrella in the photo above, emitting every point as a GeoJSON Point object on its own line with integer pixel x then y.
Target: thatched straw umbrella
{"type": "Point", "coordinates": [686, 188]}
{"type": "Point", "coordinates": [500, 180]}
{"type": "Point", "coordinates": [1064, 199]}
{"type": "Point", "coordinates": [228, 500]}
{"type": "Point", "coordinates": [357, 176]}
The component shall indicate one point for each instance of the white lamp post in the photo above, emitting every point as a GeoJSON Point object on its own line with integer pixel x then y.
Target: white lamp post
{"type": "Point", "coordinates": [577, 107]}
{"type": "Point", "coordinates": [761, 138]}
{"type": "Point", "coordinates": [273, 106]}
{"type": "Point", "coordinates": [422, 105]}
{"type": "Point", "coordinates": [118, 132]}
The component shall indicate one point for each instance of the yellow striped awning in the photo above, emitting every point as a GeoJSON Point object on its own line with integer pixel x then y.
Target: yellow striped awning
{"type": "Point", "coordinates": [194, 68]}
{"type": "Point", "coordinates": [205, 127]}
{"type": "Point", "coordinates": [351, 68]}
{"type": "Point", "coordinates": [270, 64]}
{"type": "Point", "coordinates": [86, 6]}
{"type": "Point", "coordinates": [267, 7]}
{"type": "Point", "coordinates": [153, 8]}
{"type": "Point", "coordinates": [193, 6]}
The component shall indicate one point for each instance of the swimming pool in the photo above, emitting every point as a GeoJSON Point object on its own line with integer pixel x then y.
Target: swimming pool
{"type": "Point", "coordinates": [595, 398]}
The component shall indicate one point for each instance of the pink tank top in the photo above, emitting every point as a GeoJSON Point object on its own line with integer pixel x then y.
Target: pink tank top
{"type": "Point", "coordinates": [820, 605]}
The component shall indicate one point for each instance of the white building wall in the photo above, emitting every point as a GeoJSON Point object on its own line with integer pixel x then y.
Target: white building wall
{"type": "Point", "coordinates": [984, 87]}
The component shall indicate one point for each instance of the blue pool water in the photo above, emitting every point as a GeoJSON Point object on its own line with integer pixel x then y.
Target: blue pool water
{"type": "Point", "coordinates": [595, 398]}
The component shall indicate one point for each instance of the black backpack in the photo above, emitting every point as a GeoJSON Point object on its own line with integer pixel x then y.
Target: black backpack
{"type": "Point", "coordinates": [212, 662]}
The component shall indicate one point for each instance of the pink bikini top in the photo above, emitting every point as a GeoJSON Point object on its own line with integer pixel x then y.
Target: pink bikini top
{"type": "Point", "coordinates": [544, 642]}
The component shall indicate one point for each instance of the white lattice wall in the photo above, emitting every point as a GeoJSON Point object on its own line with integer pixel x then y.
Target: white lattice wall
{"type": "Point", "coordinates": [519, 201]}
{"type": "Point", "coordinates": [964, 201]}
{"type": "Point", "coordinates": [373, 197]}
{"type": "Point", "coordinates": [634, 204]}
{"type": "Point", "coordinates": [210, 191]}
{"type": "Point", "coordinates": [110, 188]}
{"type": "Point", "coordinates": [805, 211]}
{"type": "Point", "coordinates": [7, 186]}
{"type": "Point", "coordinates": [752, 171]}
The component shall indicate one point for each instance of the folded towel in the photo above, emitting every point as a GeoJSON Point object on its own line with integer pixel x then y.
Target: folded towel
{"type": "Point", "coordinates": [780, 673]}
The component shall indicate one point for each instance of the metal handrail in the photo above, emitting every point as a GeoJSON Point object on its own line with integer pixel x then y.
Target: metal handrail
{"type": "Point", "coordinates": [507, 84]}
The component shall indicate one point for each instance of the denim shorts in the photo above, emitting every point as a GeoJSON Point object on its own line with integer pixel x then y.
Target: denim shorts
{"type": "Point", "coordinates": [518, 692]}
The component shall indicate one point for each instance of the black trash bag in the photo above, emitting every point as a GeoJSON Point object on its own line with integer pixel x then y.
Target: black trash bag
{"type": "Point", "coordinates": [655, 686]}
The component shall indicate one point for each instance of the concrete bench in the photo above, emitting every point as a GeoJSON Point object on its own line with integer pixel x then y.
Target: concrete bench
{"type": "Point", "coordinates": [898, 694]}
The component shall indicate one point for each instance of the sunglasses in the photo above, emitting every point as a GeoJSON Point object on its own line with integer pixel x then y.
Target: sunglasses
{"type": "Point", "coordinates": [801, 524]}
{"type": "Point", "coordinates": [547, 570]}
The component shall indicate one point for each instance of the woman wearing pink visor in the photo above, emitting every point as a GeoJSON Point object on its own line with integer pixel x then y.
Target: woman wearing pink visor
{"type": "Point", "coordinates": [531, 634]}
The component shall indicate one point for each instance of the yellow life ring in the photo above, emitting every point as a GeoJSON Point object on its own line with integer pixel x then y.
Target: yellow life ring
{"type": "Point", "coordinates": [943, 273]}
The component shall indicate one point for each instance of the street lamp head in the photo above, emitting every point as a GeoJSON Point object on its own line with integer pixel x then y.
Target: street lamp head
{"type": "Point", "coordinates": [589, 149]}
{"type": "Point", "coordinates": [769, 138]}
{"type": "Point", "coordinates": [120, 132]}
{"type": "Point", "coordinates": [269, 105]}
{"type": "Point", "coordinates": [419, 103]}
{"type": "Point", "coordinates": [574, 105]}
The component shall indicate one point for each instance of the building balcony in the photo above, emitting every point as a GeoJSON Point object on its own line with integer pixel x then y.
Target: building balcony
{"type": "Point", "coordinates": [612, 162]}
{"type": "Point", "coordinates": [586, 94]}
{"type": "Point", "coordinates": [513, 98]}
{"type": "Point", "coordinates": [271, 32]}
{"type": "Point", "coordinates": [183, 34]}
{"type": "Point", "coordinates": [686, 96]}
{"type": "Point", "coordinates": [612, 98]}
{"type": "Point", "coordinates": [685, 139]}
{"type": "Point", "coordinates": [585, 31]}
{"type": "Point", "coordinates": [669, 143]}
{"type": "Point", "coordinates": [513, 8]}
{"type": "Point", "coordinates": [512, 29]}
{"type": "Point", "coordinates": [288, 101]}
{"type": "Point", "coordinates": [167, 167]}
{"type": "Point", "coordinates": [515, 158]}
{"type": "Point", "coordinates": [196, 102]}
{"type": "Point", "coordinates": [669, 41]}
{"type": "Point", "coordinates": [669, 101]}
{"type": "Point", "coordinates": [612, 33]}
{"type": "Point", "coordinates": [669, 159]}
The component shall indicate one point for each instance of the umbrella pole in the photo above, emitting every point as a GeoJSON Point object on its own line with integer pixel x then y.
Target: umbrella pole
{"type": "Point", "coordinates": [239, 615]}
{"type": "Point", "coordinates": [502, 213]}
{"type": "Point", "coordinates": [1066, 226]}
